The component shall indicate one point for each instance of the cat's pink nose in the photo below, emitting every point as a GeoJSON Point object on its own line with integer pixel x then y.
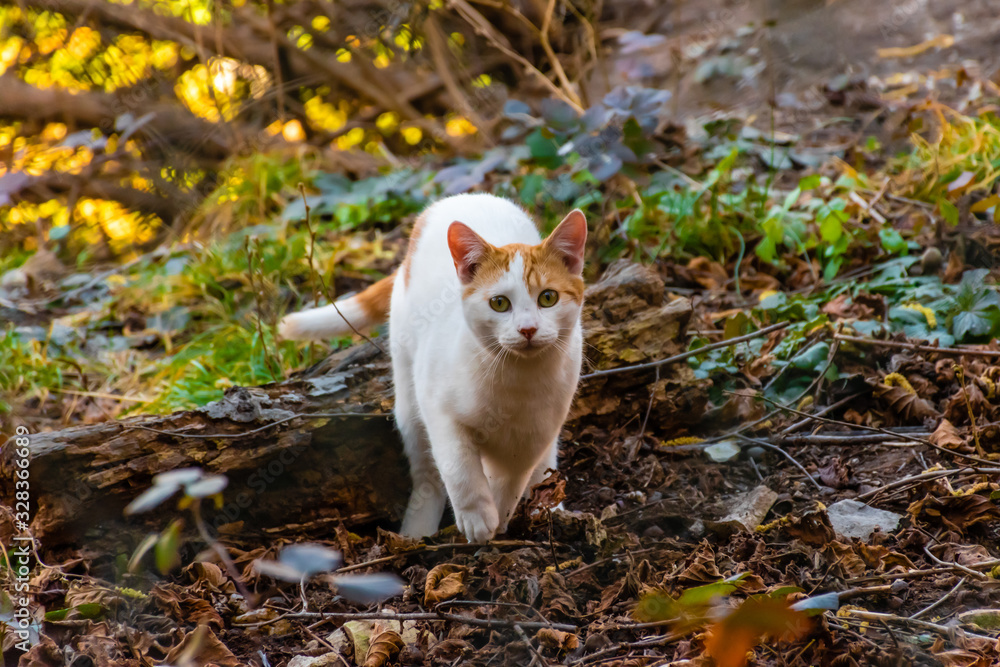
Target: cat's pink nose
{"type": "Point", "coordinates": [528, 332]}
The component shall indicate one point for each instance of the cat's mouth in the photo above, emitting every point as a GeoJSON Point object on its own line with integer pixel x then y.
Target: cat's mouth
{"type": "Point", "coordinates": [528, 348]}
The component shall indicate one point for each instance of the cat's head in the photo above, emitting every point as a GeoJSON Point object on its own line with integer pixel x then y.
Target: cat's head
{"type": "Point", "coordinates": [521, 298]}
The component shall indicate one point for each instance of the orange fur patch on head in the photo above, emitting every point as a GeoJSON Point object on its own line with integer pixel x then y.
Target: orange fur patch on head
{"type": "Point", "coordinates": [544, 268]}
{"type": "Point", "coordinates": [411, 248]}
{"type": "Point", "coordinates": [491, 267]}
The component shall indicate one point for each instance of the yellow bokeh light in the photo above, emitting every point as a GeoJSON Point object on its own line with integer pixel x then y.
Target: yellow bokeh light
{"type": "Point", "coordinates": [293, 132]}
{"type": "Point", "coordinates": [53, 132]}
{"type": "Point", "coordinates": [458, 127]}
{"type": "Point", "coordinates": [324, 115]}
{"type": "Point", "coordinates": [83, 42]}
{"type": "Point", "coordinates": [387, 122]}
{"type": "Point", "coordinates": [351, 139]}
{"type": "Point", "coordinates": [412, 135]}
{"type": "Point", "coordinates": [321, 23]}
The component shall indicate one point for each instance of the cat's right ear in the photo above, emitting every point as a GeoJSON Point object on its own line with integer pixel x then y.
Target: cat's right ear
{"type": "Point", "coordinates": [467, 250]}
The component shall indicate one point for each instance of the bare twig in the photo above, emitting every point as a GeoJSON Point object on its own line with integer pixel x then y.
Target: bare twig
{"type": "Point", "coordinates": [781, 451]}
{"type": "Point", "coordinates": [830, 408]}
{"type": "Point", "coordinates": [556, 65]}
{"type": "Point", "coordinates": [937, 603]}
{"type": "Point", "coordinates": [960, 374]}
{"type": "Point", "coordinates": [876, 429]}
{"type": "Point", "coordinates": [933, 474]}
{"type": "Point", "coordinates": [414, 616]}
{"type": "Point", "coordinates": [659, 640]}
{"type": "Point", "coordinates": [953, 351]}
{"type": "Point", "coordinates": [219, 550]}
{"type": "Point", "coordinates": [482, 26]}
{"type": "Point", "coordinates": [912, 622]}
{"type": "Point", "coordinates": [688, 354]}
{"type": "Point", "coordinates": [968, 570]}
{"type": "Point", "coordinates": [454, 546]}
{"type": "Point", "coordinates": [536, 658]}
{"type": "Point", "coordinates": [328, 293]}
{"type": "Point", "coordinates": [307, 415]}
{"type": "Point", "coordinates": [840, 438]}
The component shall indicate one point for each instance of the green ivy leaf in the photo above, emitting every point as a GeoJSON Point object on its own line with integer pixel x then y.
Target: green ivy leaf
{"type": "Point", "coordinates": [892, 241]}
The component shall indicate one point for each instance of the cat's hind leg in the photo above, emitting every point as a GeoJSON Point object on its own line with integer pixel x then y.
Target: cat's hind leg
{"type": "Point", "coordinates": [428, 497]}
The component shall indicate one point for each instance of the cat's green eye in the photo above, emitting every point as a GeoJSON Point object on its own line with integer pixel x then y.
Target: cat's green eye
{"type": "Point", "coordinates": [501, 304]}
{"type": "Point", "coordinates": [548, 298]}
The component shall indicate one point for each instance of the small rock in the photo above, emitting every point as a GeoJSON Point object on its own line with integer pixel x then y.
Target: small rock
{"type": "Point", "coordinates": [637, 497]}
{"type": "Point", "coordinates": [653, 533]}
{"type": "Point", "coordinates": [851, 518]}
{"type": "Point", "coordinates": [723, 451]}
{"type": "Point", "coordinates": [986, 619]}
{"type": "Point", "coordinates": [325, 660]}
{"type": "Point", "coordinates": [596, 642]}
{"type": "Point", "coordinates": [748, 511]}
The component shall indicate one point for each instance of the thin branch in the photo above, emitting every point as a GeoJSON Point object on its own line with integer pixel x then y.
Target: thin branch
{"type": "Point", "coordinates": [876, 429]}
{"type": "Point", "coordinates": [453, 546]}
{"type": "Point", "coordinates": [414, 616]}
{"type": "Point", "coordinates": [952, 351]}
{"type": "Point", "coordinates": [934, 474]}
{"type": "Point", "coordinates": [328, 293]}
{"type": "Point", "coordinates": [687, 355]}
{"type": "Point", "coordinates": [781, 451]}
{"type": "Point", "coordinates": [911, 622]}
{"type": "Point", "coordinates": [307, 415]}
{"type": "Point", "coordinates": [937, 603]}
{"type": "Point", "coordinates": [958, 566]}
{"type": "Point", "coordinates": [483, 27]}
{"type": "Point", "coordinates": [547, 46]}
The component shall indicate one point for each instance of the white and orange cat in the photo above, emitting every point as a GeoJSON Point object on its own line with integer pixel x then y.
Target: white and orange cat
{"type": "Point", "coordinates": [486, 345]}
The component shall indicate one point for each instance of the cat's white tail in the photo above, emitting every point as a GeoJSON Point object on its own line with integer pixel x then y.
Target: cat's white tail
{"type": "Point", "coordinates": [359, 312]}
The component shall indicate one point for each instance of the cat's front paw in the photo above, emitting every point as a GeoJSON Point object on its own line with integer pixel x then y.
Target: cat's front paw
{"type": "Point", "coordinates": [478, 524]}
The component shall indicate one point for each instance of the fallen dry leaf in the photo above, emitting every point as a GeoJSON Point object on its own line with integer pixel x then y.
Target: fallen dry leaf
{"type": "Point", "coordinates": [906, 405]}
{"type": "Point", "coordinates": [201, 648]}
{"type": "Point", "coordinates": [557, 640]}
{"type": "Point", "coordinates": [180, 605]}
{"type": "Point", "coordinates": [812, 527]}
{"type": "Point", "coordinates": [946, 435]}
{"type": "Point", "coordinates": [444, 582]}
{"type": "Point", "coordinates": [556, 600]}
{"type": "Point", "coordinates": [730, 639]}
{"type": "Point", "coordinates": [954, 512]}
{"type": "Point", "coordinates": [939, 42]}
{"type": "Point", "coordinates": [385, 644]}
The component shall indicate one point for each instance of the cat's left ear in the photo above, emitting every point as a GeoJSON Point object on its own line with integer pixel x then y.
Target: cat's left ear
{"type": "Point", "coordinates": [569, 240]}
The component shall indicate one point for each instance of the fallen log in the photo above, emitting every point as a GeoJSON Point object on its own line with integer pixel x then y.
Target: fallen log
{"type": "Point", "coordinates": [319, 450]}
